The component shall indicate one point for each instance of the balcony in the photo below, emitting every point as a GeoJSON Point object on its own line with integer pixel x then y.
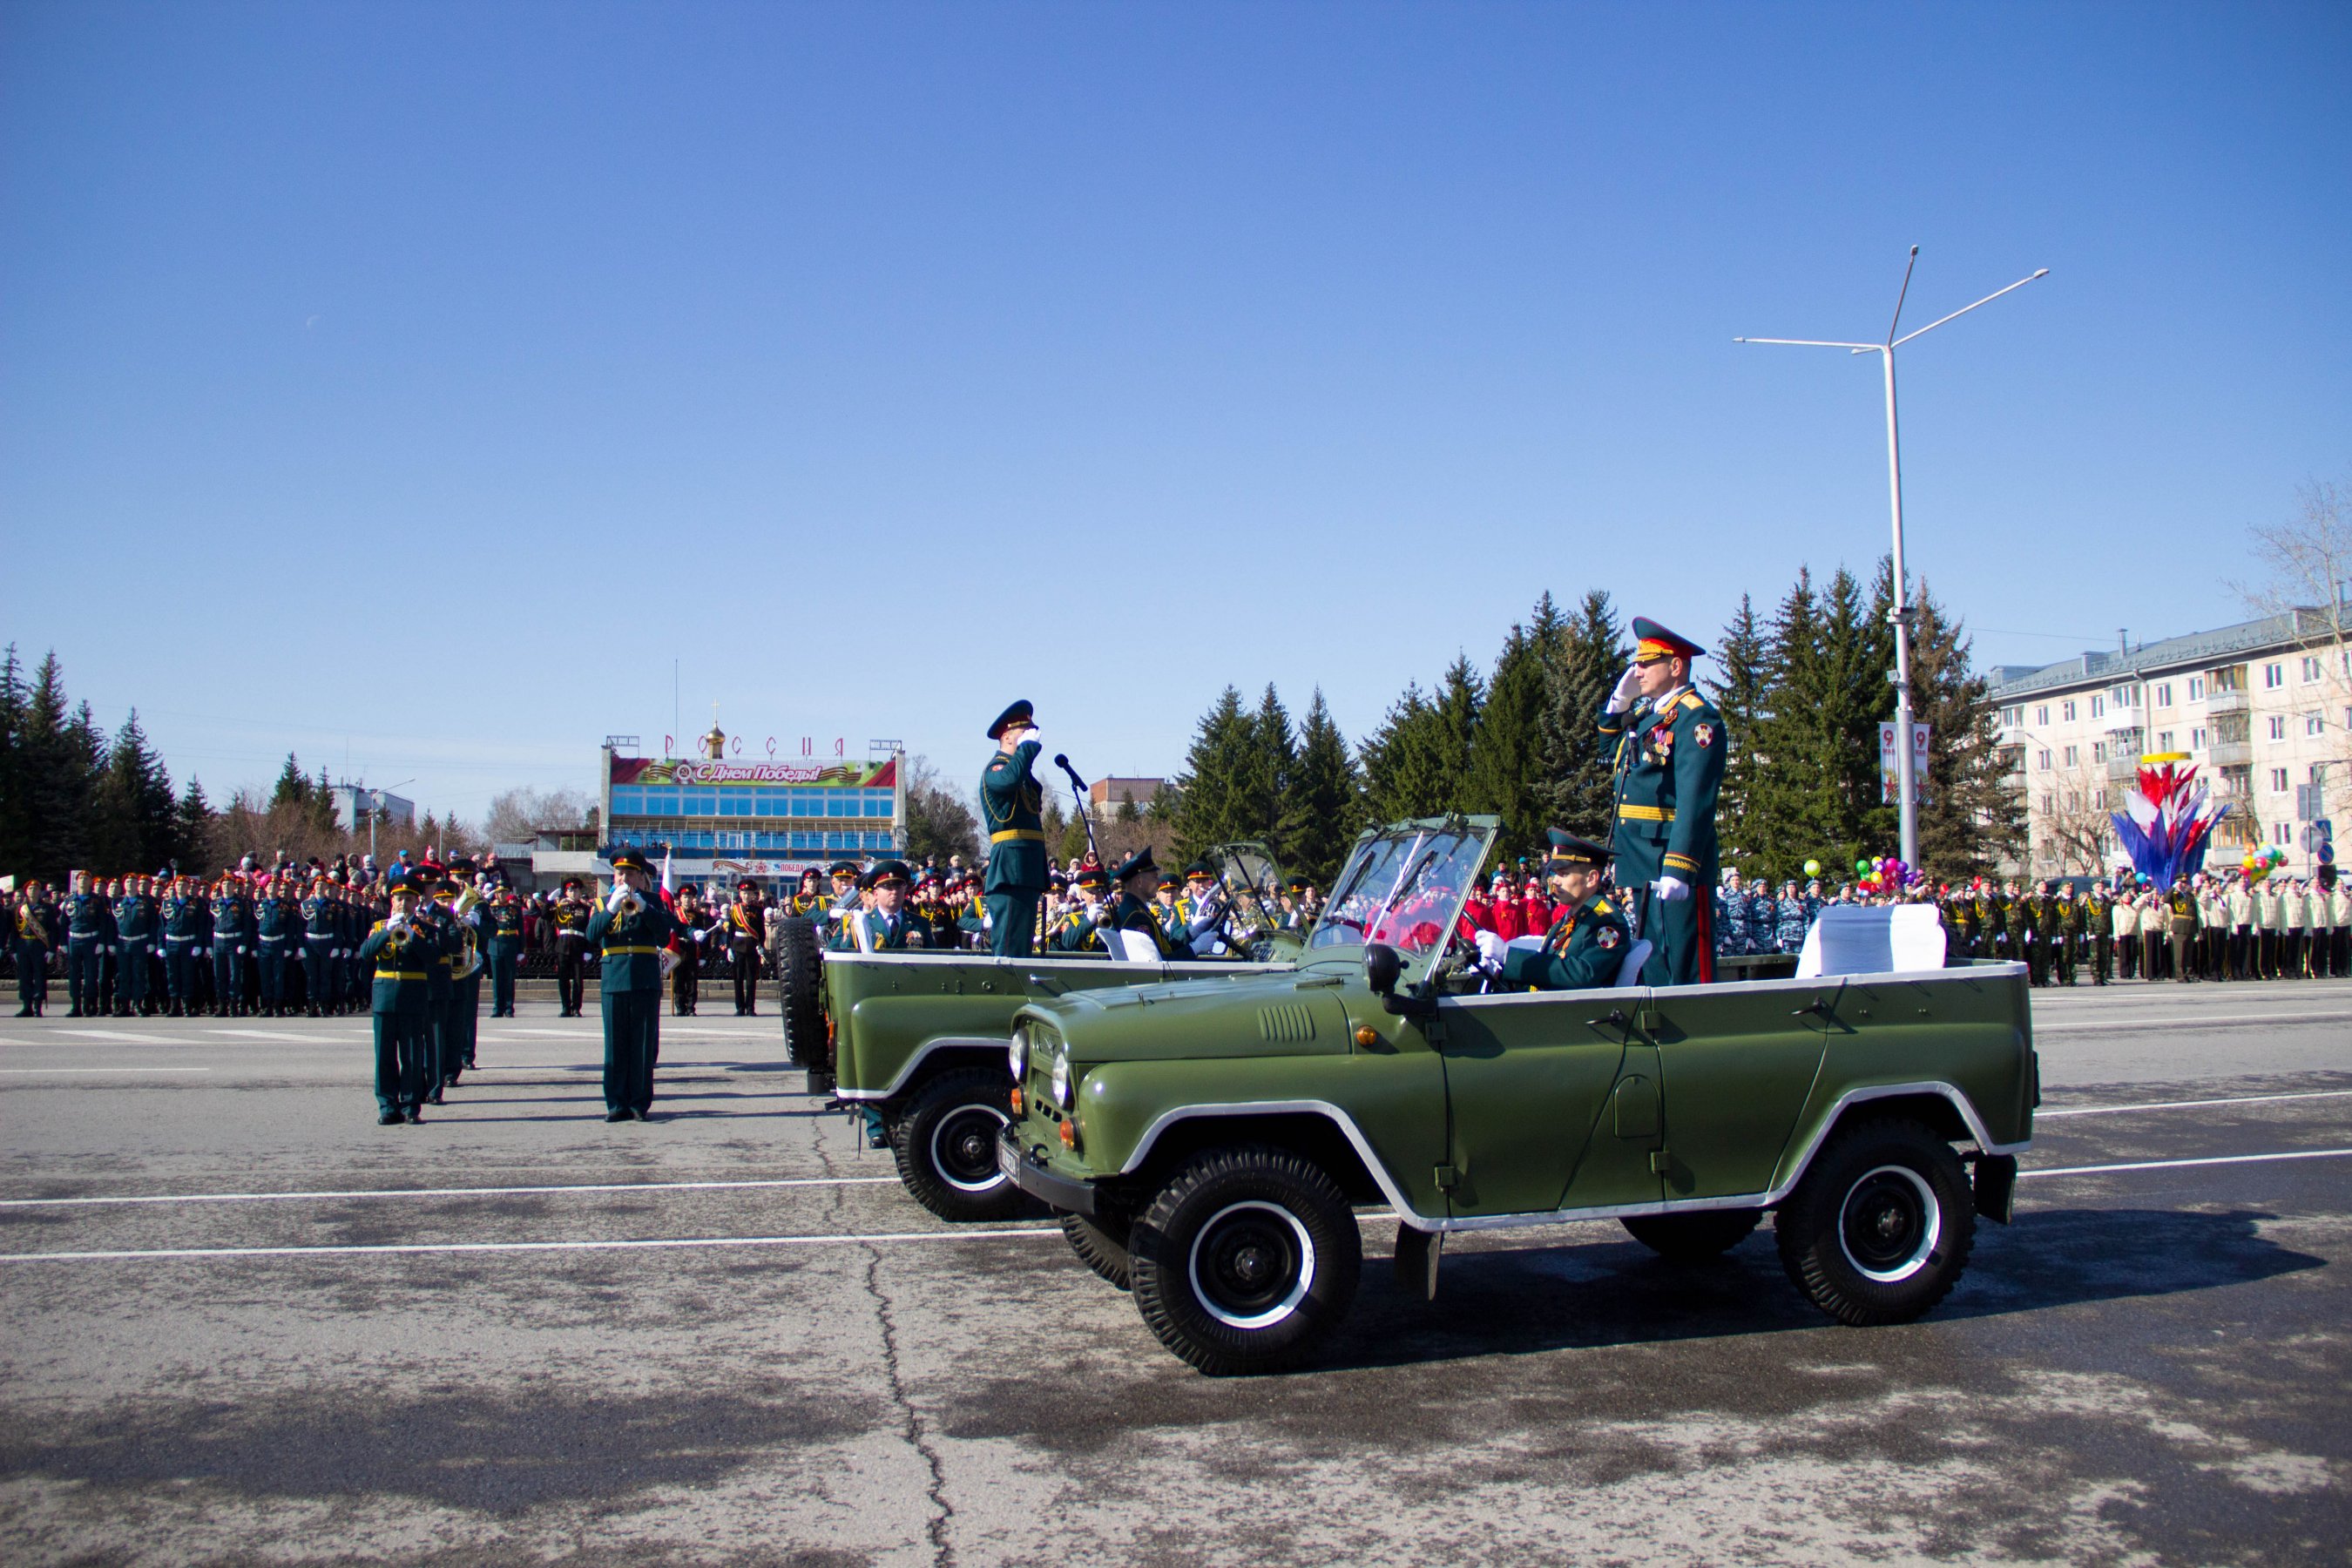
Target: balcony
{"type": "Point", "coordinates": [2123, 768]}
{"type": "Point", "coordinates": [2230, 754]}
{"type": "Point", "coordinates": [2217, 702]}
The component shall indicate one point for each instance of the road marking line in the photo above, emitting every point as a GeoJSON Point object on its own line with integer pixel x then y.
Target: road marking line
{"type": "Point", "coordinates": [79, 1070]}
{"type": "Point", "coordinates": [2179, 1164]}
{"type": "Point", "coordinates": [461, 1246]}
{"type": "Point", "coordinates": [2255, 1021]}
{"type": "Point", "coordinates": [113, 1034]}
{"type": "Point", "coordinates": [436, 1192]}
{"type": "Point", "coordinates": [2186, 1104]}
{"type": "Point", "coordinates": [275, 1036]}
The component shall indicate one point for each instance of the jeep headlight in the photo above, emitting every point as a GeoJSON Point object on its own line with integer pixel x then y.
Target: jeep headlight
{"type": "Point", "coordinates": [1061, 1081]}
{"type": "Point", "coordinates": [1016, 1052]}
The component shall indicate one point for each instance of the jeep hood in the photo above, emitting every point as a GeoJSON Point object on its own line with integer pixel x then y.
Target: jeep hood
{"type": "Point", "coordinates": [1298, 1014]}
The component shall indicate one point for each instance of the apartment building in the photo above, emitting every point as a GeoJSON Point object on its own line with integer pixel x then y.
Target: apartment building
{"type": "Point", "coordinates": [2263, 710]}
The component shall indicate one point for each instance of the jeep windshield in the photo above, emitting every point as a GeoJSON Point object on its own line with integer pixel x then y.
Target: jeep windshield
{"type": "Point", "coordinates": [1404, 886]}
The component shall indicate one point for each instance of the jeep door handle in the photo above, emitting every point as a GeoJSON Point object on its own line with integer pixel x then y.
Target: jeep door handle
{"type": "Point", "coordinates": [1616, 1019]}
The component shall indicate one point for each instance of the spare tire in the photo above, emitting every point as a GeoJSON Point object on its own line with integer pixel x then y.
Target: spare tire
{"type": "Point", "coordinates": [800, 977]}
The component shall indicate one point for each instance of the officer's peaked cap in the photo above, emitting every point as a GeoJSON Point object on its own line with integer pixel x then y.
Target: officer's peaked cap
{"type": "Point", "coordinates": [1091, 876]}
{"type": "Point", "coordinates": [1021, 712]}
{"type": "Point", "coordinates": [1652, 641]}
{"type": "Point", "coordinates": [889, 871]}
{"type": "Point", "coordinates": [630, 859]}
{"type": "Point", "coordinates": [1568, 849]}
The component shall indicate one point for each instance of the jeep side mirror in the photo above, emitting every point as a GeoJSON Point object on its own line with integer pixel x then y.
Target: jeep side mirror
{"type": "Point", "coordinates": [1381, 968]}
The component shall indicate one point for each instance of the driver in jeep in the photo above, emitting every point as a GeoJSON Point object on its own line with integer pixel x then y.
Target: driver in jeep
{"type": "Point", "coordinates": [1586, 945]}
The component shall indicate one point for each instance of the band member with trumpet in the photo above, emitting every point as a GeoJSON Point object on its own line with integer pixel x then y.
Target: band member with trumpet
{"type": "Point", "coordinates": [402, 948]}
{"type": "Point", "coordinates": [1014, 802]}
{"type": "Point", "coordinates": [631, 927]}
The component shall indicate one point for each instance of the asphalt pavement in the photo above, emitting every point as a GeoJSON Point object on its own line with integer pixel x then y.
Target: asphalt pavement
{"type": "Point", "coordinates": [241, 1322]}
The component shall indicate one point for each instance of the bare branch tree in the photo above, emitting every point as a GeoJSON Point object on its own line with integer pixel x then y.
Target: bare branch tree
{"type": "Point", "coordinates": [2074, 834]}
{"type": "Point", "coordinates": [2307, 564]}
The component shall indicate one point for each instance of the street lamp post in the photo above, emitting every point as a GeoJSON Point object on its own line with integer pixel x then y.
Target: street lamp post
{"type": "Point", "coordinates": [1905, 773]}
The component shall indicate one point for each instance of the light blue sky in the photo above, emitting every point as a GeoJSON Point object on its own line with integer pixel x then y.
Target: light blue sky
{"type": "Point", "coordinates": [414, 383]}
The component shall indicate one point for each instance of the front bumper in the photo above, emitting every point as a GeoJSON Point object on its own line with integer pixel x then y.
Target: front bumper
{"type": "Point", "coordinates": [1032, 1177]}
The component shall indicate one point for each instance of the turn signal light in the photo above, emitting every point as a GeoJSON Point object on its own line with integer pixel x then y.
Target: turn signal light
{"type": "Point", "coordinates": [1367, 1035]}
{"type": "Point", "coordinates": [1016, 1102]}
{"type": "Point", "coordinates": [1069, 1134]}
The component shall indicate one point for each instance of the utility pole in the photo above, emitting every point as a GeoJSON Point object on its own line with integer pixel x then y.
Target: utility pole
{"type": "Point", "coordinates": [1905, 772]}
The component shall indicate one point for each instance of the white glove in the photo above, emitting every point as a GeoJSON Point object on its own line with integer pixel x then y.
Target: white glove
{"type": "Point", "coordinates": [1629, 685]}
{"type": "Point", "coordinates": [1491, 947]}
{"type": "Point", "coordinates": [618, 896]}
{"type": "Point", "coordinates": [1673, 889]}
{"type": "Point", "coordinates": [701, 935]}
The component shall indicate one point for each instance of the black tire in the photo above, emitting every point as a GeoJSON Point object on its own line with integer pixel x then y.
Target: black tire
{"type": "Point", "coordinates": [945, 1144]}
{"type": "Point", "coordinates": [1694, 1238]}
{"type": "Point", "coordinates": [800, 976]}
{"type": "Point", "coordinates": [1101, 1246]}
{"type": "Point", "coordinates": [1881, 1227]}
{"type": "Point", "coordinates": [1245, 1260]}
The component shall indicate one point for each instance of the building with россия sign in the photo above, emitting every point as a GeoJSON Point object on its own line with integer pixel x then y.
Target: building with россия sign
{"type": "Point", "coordinates": [723, 818]}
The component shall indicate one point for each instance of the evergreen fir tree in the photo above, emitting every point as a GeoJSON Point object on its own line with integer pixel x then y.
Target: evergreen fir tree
{"type": "Point", "coordinates": [1737, 689]}
{"type": "Point", "coordinates": [293, 787]}
{"type": "Point", "coordinates": [1508, 774]}
{"type": "Point", "coordinates": [1969, 817]}
{"type": "Point", "coordinates": [1267, 767]}
{"type": "Point", "coordinates": [59, 759]}
{"type": "Point", "coordinates": [1211, 797]}
{"type": "Point", "coordinates": [1781, 825]}
{"type": "Point", "coordinates": [191, 847]}
{"type": "Point", "coordinates": [1404, 763]}
{"type": "Point", "coordinates": [1323, 809]}
{"type": "Point", "coordinates": [1459, 702]}
{"type": "Point", "coordinates": [16, 826]}
{"type": "Point", "coordinates": [1578, 770]}
{"type": "Point", "coordinates": [133, 823]}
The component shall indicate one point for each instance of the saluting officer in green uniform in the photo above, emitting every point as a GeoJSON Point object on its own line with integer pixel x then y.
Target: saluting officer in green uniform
{"type": "Point", "coordinates": [631, 926]}
{"type": "Point", "coordinates": [403, 951]}
{"type": "Point", "coordinates": [1013, 801]}
{"type": "Point", "coordinates": [1670, 746]}
{"type": "Point", "coordinates": [1587, 943]}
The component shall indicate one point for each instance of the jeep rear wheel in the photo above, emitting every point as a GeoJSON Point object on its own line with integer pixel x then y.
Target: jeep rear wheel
{"type": "Point", "coordinates": [1101, 1244]}
{"type": "Point", "coordinates": [1881, 1227]}
{"type": "Point", "coordinates": [1694, 1238]}
{"type": "Point", "coordinates": [945, 1144]}
{"type": "Point", "coordinates": [800, 972]}
{"type": "Point", "coordinates": [1244, 1260]}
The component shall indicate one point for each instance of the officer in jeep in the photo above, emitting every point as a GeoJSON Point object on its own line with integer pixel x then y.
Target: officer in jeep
{"type": "Point", "coordinates": [1586, 945]}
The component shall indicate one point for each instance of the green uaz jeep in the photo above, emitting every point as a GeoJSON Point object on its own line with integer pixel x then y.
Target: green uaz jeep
{"type": "Point", "coordinates": [915, 1041]}
{"type": "Point", "coordinates": [1206, 1144]}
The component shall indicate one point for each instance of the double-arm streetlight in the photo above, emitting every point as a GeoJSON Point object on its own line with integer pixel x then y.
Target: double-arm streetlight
{"type": "Point", "coordinates": [1905, 773]}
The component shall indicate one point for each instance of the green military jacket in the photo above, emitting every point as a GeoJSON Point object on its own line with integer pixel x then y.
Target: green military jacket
{"type": "Point", "coordinates": [1669, 767]}
{"type": "Point", "coordinates": [1012, 801]}
{"type": "Point", "coordinates": [404, 957]}
{"type": "Point", "coordinates": [1584, 948]}
{"type": "Point", "coordinates": [503, 929]}
{"type": "Point", "coordinates": [888, 934]}
{"type": "Point", "coordinates": [632, 942]}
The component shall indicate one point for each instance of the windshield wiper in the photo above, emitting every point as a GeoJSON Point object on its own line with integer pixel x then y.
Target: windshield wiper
{"type": "Point", "coordinates": [1404, 885]}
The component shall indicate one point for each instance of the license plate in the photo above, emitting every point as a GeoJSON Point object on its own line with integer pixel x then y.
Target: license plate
{"type": "Point", "coordinates": [1008, 1159]}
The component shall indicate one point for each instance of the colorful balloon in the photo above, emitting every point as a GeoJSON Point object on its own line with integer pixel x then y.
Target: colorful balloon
{"type": "Point", "coordinates": [1813, 867]}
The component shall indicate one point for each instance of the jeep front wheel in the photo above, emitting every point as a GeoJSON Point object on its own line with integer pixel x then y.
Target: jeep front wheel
{"type": "Point", "coordinates": [1244, 1260]}
{"type": "Point", "coordinates": [1101, 1245]}
{"type": "Point", "coordinates": [945, 1145]}
{"type": "Point", "coordinates": [1694, 1238]}
{"type": "Point", "coordinates": [1881, 1227]}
